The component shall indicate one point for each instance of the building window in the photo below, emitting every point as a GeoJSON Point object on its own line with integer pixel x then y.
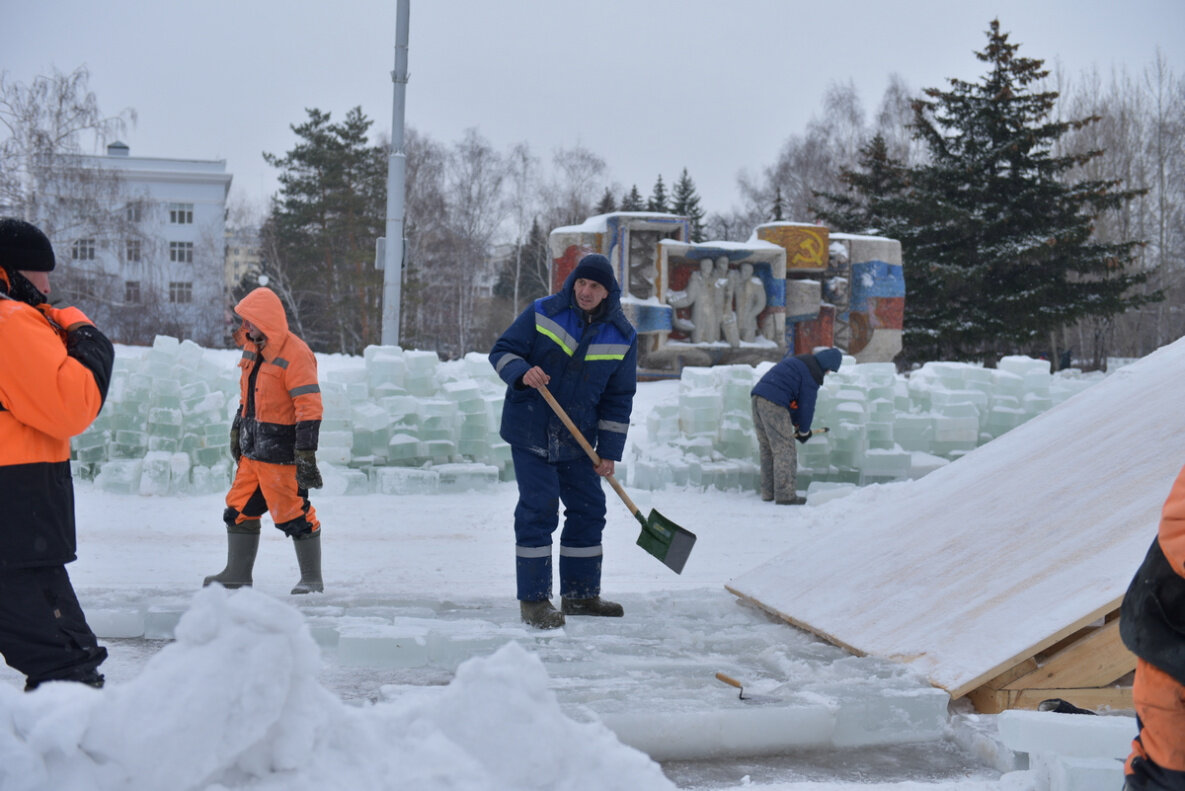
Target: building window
{"type": "Point", "coordinates": [134, 212]}
{"type": "Point", "coordinates": [181, 213]}
{"type": "Point", "coordinates": [180, 292]}
{"type": "Point", "coordinates": [84, 287]}
{"type": "Point", "coordinates": [181, 252]}
{"type": "Point", "coordinates": [131, 292]}
{"type": "Point", "coordinates": [83, 250]}
{"type": "Point", "coordinates": [133, 250]}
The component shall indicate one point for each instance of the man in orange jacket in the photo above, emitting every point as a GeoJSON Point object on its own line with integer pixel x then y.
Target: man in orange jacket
{"type": "Point", "coordinates": [54, 370]}
{"type": "Point", "coordinates": [1152, 625]}
{"type": "Point", "coordinates": [274, 441]}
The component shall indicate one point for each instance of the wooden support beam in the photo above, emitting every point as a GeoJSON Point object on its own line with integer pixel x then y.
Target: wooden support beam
{"type": "Point", "coordinates": [994, 701]}
{"type": "Point", "coordinates": [1095, 660]}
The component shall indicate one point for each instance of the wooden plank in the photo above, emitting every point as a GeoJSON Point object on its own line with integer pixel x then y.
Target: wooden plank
{"type": "Point", "coordinates": [1095, 660]}
{"type": "Point", "coordinates": [1010, 675]}
{"type": "Point", "coordinates": [1113, 698]}
{"type": "Point", "coordinates": [994, 701]}
{"type": "Point", "coordinates": [1037, 648]}
{"type": "Point", "coordinates": [796, 623]}
{"type": "Point", "coordinates": [987, 562]}
{"type": "Point", "coordinates": [989, 701]}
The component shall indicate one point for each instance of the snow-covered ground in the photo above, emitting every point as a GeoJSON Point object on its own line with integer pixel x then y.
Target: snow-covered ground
{"type": "Point", "coordinates": [413, 671]}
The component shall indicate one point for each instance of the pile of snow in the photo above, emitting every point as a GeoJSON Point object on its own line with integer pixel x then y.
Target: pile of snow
{"type": "Point", "coordinates": [235, 703]}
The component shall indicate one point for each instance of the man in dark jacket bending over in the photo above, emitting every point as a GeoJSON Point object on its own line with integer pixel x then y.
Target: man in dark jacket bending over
{"type": "Point", "coordinates": [783, 408]}
{"type": "Point", "coordinates": [580, 345]}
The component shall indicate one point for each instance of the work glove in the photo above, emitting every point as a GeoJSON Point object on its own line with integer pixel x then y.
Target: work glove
{"type": "Point", "coordinates": [307, 474]}
{"type": "Point", "coordinates": [236, 450]}
{"type": "Point", "coordinates": [802, 436]}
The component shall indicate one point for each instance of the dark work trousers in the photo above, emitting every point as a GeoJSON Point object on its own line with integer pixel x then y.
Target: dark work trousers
{"type": "Point", "coordinates": [43, 632]}
{"type": "Point", "coordinates": [542, 485]}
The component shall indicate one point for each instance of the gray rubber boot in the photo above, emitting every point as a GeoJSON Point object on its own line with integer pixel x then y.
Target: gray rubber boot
{"type": "Point", "coordinates": [308, 556]}
{"type": "Point", "coordinates": [242, 544]}
{"type": "Point", "coordinates": [541, 614]}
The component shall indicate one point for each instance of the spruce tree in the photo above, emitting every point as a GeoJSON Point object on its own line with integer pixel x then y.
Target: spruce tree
{"type": "Point", "coordinates": [686, 204]}
{"type": "Point", "coordinates": [536, 264]}
{"type": "Point", "coordinates": [321, 231]}
{"type": "Point", "coordinates": [998, 242]}
{"type": "Point", "coordinates": [658, 197]}
{"type": "Point", "coordinates": [607, 204]}
{"type": "Point", "coordinates": [527, 265]}
{"type": "Point", "coordinates": [866, 206]}
{"type": "Point", "coordinates": [632, 201]}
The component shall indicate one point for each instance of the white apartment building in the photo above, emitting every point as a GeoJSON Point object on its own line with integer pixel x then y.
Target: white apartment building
{"type": "Point", "coordinates": [157, 266]}
{"type": "Point", "coordinates": [243, 255]}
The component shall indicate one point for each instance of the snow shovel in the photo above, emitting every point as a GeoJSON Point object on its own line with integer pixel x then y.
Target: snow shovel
{"type": "Point", "coordinates": [660, 536]}
{"type": "Point", "coordinates": [754, 699]}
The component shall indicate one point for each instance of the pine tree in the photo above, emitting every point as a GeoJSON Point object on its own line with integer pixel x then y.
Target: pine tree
{"type": "Point", "coordinates": [686, 204]}
{"type": "Point", "coordinates": [658, 197]}
{"type": "Point", "coordinates": [607, 204]}
{"type": "Point", "coordinates": [632, 201]}
{"type": "Point", "coordinates": [998, 243]}
{"type": "Point", "coordinates": [878, 182]}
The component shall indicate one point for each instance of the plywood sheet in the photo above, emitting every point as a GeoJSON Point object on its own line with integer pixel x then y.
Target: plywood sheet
{"type": "Point", "coordinates": [985, 562]}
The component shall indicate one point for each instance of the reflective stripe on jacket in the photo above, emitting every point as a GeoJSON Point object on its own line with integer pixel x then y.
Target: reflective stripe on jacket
{"type": "Point", "coordinates": [593, 368]}
{"type": "Point", "coordinates": [279, 396]}
{"type": "Point", "coordinates": [47, 396]}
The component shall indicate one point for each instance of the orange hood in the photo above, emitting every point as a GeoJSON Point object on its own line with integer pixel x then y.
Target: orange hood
{"type": "Point", "coordinates": [263, 309]}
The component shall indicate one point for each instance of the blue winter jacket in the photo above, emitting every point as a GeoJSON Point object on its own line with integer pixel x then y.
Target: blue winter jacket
{"type": "Point", "coordinates": [794, 384]}
{"type": "Point", "coordinates": [593, 369]}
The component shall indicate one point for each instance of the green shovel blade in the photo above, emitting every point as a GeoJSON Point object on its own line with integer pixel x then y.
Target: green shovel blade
{"type": "Point", "coordinates": [666, 540]}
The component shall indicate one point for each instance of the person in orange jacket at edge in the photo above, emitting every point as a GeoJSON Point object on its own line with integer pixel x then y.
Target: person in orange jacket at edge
{"type": "Point", "coordinates": [1152, 625]}
{"type": "Point", "coordinates": [55, 367]}
{"type": "Point", "coordinates": [274, 442]}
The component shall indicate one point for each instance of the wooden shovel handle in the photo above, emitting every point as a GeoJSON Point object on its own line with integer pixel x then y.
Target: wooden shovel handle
{"type": "Point", "coordinates": [592, 454]}
{"type": "Point", "coordinates": [729, 680]}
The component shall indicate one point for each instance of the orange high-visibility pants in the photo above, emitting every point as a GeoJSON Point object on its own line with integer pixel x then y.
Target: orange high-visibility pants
{"type": "Point", "coordinates": [1160, 706]}
{"type": "Point", "coordinates": [260, 487]}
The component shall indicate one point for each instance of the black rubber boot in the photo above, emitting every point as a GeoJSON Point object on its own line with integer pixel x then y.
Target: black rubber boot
{"type": "Point", "coordinates": [92, 678]}
{"type": "Point", "coordinates": [242, 544]}
{"type": "Point", "coordinates": [541, 614]}
{"type": "Point", "coordinates": [594, 606]}
{"type": "Point", "coordinates": [308, 556]}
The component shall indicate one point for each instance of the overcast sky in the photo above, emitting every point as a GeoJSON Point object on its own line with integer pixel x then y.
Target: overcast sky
{"type": "Point", "coordinates": [652, 86]}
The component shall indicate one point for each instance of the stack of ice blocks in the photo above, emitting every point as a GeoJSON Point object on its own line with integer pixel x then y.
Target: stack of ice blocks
{"type": "Point", "coordinates": [395, 420]}
{"type": "Point", "coordinates": [884, 426]}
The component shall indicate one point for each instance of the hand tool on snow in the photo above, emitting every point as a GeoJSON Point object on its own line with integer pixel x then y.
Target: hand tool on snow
{"type": "Point", "coordinates": [661, 537]}
{"type": "Point", "coordinates": [755, 699]}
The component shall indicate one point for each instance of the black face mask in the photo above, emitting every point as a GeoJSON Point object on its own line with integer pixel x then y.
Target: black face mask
{"type": "Point", "coordinates": [20, 289]}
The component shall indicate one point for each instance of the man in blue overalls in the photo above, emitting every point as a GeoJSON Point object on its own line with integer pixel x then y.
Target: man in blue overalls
{"type": "Point", "coordinates": [579, 344]}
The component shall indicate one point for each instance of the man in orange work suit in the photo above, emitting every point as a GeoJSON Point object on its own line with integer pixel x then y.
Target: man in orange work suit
{"type": "Point", "coordinates": [274, 441]}
{"type": "Point", "coordinates": [55, 367]}
{"type": "Point", "coordinates": [1152, 625]}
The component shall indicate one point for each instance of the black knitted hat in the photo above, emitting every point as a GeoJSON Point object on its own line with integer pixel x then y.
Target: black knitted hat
{"type": "Point", "coordinates": [595, 267]}
{"type": "Point", "coordinates": [23, 247]}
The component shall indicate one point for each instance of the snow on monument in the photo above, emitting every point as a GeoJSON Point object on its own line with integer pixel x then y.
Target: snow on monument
{"type": "Point", "coordinates": [788, 289]}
